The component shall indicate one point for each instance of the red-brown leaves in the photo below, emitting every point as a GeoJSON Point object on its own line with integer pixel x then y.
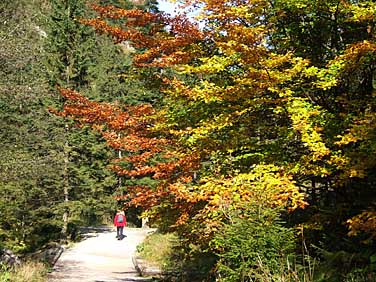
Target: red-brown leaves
{"type": "Point", "coordinates": [94, 113]}
{"type": "Point", "coordinates": [135, 17]}
{"type": "Point", "coordinates": [161, 41]}
{"type": "Point", "coordinates": [145, 153]}
{"type": "Point", "coordinates": [164, 38]}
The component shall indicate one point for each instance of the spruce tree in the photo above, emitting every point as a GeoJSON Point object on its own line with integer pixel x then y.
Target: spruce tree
{"type": "Point", "coordinates": [30, 166]}
{"type": "Point", "coordinates": [70, 53]}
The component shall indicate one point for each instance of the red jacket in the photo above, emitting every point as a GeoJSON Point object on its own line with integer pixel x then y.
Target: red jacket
{"type": "Point", "coordinates": [116, 223]}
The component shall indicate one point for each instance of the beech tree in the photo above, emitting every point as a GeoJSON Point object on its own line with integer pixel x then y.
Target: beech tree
{"type": "Point", "coordinates": [253, 113]}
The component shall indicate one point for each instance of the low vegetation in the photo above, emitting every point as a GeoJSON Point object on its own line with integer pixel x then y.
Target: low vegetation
{"type": "Point", "coordinates": [27, 272]}
{"type": "Point", "coordinates": [159, 249]}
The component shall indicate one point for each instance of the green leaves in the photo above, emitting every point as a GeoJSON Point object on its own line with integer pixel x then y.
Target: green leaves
{"type": "Point", "coordinates": [253, 241]}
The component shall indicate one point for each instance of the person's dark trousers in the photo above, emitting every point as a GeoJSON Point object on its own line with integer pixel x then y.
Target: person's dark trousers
{"type": "Point", "coordinates": [119, 231]}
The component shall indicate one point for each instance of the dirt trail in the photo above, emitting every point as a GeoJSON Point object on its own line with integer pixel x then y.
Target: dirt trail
{"type": "Point", "coordinates": [100, 258]}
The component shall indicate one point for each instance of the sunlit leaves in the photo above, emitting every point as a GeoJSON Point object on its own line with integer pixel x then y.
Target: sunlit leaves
{"type": "Point", "coordinates": [365, 11]}
{"type": "Point", "coordinates": [302, 114]}
{"type": "Point", "coordinates": [264, 185]}
{"type": "Point", "coordinates": [268, 97]}
{"type": "Point", "coordinates": [130, 130]}
{"type": "Point", "coordinates": [358, 143]}
{"type": "Point", "coordinates": [163, 38]}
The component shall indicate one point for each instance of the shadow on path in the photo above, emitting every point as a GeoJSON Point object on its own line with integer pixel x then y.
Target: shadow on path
{"type": "Point", "coordinates": [92, 231]}
{"type": "Point", "coordinates": [100, 257]}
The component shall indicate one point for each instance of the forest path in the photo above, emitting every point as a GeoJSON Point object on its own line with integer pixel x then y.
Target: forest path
{"type": "Point", "coordinates": [100, 257]}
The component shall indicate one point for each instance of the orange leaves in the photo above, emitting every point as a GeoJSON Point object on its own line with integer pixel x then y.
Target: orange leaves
{"type": "Point", "coordinates": [355, 56]}
{"type": "Point", "coordinates": [165, 41]}
{"type": "Point", "coordinates": [164, 169]}
{"type": "Point", "coordinates": [118, 34]}
{"type": "Point", "coordinates": [358, 50]}
{"type": "Point", "coordinates": [134, 17]}
{"type": "Point", "coordinates": [130, 129]}
{"type": "Point", "coordinates": [143, 196]}
{"type": "Point", "coordinates": [94, 113]}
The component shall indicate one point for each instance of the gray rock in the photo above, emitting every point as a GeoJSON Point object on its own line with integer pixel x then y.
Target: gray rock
{"type": "Point", "coordinates": [8, 258]}
{"type": "Point", "coordinates": [49, 253]}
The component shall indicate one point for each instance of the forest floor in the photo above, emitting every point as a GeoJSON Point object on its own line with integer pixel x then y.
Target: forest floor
{"type": "Point", "coordinates": [100, 257]}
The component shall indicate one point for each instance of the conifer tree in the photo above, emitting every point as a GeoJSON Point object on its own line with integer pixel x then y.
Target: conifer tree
{"type": "Point", "coordinates": [30, 166]}
{"type": "Point", "coordinates": [70, 53]}
{"type": "Point", "coordinates": [80, 59]}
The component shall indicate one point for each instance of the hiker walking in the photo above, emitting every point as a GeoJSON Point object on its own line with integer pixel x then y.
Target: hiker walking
{"type": "Point", "coordinates": [120, 221]}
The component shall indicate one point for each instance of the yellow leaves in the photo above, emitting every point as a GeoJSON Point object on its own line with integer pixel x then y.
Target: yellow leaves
{"type": "Point", "coordinates": [339, 161]}
{"type": "Point", "coordinates": [301, 114]}
{"type": "Point", "coordinates": [216, 200]}
{"type": "Point", "coordinates": [208, 127]}
{"type": "Point", "coordinates": [330, 76]}
{"type": "Point", "coordinates": [355, 53]}
{"type": "Point", "coordinates": [264, 186]}
{"type": "Point", "coordinates": [347, 139]}
{"type": "Point", "coordinates": [212, 64]}
{"type": "Point", "coordinates": [311, 71]}
{"type": "Point", "coordinates": [250, 36]}
{"type": "Point", "coordinates": [356, 173]}
{"type": "Point", "coordinates": [363, 128]}
{"type": "Point", "coordinates": [363, 223]}
{"type": "Point", "coordinates": [365, 11]}
{"type": "Point", "coordinates": [300, 5]}
{"type": "Point", "coordinates": [357, 143]}
{"type": "Point", "coordinates": [236, 11]}
{"type": "Point", "coordinates": [306, 120]}
{"type": "Point", "coordinates": [206, 91]}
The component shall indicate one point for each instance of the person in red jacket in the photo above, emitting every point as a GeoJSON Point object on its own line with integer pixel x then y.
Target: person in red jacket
{"type": "Point", "coordinates": [120, 221]}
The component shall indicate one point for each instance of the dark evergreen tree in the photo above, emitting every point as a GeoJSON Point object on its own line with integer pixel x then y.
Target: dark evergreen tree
{"type": "Point", "coordinates": [30, 166]}
{"type": "Point", "coordinates": [46, 160]}
{"type": "Point", "coordinates": [78, 58]}
{"type": "Point", "coordinates": [70, 53]}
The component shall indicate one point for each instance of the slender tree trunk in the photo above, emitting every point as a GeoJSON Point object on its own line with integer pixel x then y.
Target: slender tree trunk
{"type": "Point", "coordinates": [66, 185]}
{"type": "Point", "coordinates": [120, 179]}
{"type": "Point", "coordinates": [66, 160]}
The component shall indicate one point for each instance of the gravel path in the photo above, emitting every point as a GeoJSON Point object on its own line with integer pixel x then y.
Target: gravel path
{"type": "Point", "coordinates": [100, 258]}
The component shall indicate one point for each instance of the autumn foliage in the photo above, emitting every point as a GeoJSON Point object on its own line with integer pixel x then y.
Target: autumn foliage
{"type": "Point", "coordinates": [130, 130]}
{"type": "Point", "coordinates": [147, 31]}
{"type": "Point", "coordinates": [243, 120]}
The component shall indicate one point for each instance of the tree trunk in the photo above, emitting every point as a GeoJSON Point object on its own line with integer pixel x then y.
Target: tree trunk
{"type": "Point", "coordinates": [66, 185]}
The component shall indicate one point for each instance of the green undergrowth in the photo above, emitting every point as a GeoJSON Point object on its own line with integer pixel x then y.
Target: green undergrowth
{"type": "Point", "coordinates": [27, 272]}
{"type": "Point", "coordinates": [158, 249]}
{"type": "Point", "coordinates": [246, 256]}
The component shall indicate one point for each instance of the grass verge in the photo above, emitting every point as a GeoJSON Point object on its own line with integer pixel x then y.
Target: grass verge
{"type": "Point", "coordinates": [158, 249]}
{"type": "Point", "coordinates": [27, 272]}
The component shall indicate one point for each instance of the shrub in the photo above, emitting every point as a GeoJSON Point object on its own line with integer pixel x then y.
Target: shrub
{"type": "Point", "coordinates": [252, 243]}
